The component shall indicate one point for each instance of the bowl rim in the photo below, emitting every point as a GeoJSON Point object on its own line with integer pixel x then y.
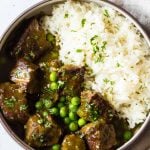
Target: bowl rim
{"type": "Point", "coordinates": [43, 3]}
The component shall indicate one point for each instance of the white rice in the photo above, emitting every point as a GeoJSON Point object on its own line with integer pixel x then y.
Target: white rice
{"type": "Point", "coordinates": [122, 74]}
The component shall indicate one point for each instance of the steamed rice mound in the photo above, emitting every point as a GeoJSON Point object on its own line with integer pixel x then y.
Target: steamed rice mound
{"type": "Point", "coordinates": [112, 47]}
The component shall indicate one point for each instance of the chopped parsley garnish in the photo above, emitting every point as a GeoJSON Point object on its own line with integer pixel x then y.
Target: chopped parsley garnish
{"type": "Point", "coordinates": [112, 82]}
{"type": "Point", "coordinates": [47, 90]}
{"type": "Point", "coordinates": [23, 107]}
{"type": "Point", "coordinates": [95, 48]}
{"type": "Point", "coordinates": [31, 54]}
{"type": "Point", "coordinates": [118, 65]}
{"type": "Point", "coordinates": [47, 124]}
{"type": "Point", "coordinates": [73, 31]}
{"type": "Point", "coordinates": [108, 81]}
{"type": "Point", "coordinates": [60, 84]}
{"type": "Point", "coordinates": [40, 121]}
{"type": "Point", "coordinates": [94, 43]}
{"type": "Point", "coordinates": [83, 21]}
{"type": "Point", "coordinates": [92, 40]}
{"type": "Point", "coordinates": [94, 112]}
{"type": "Point", "coordinates": [10, 102]}
{"type": "Point", "coordinates": [103, 45]}
{"type": "Point", "coordinates": [66, 15]}
{"type": "Point", "coordinates": [99, 54]}
{"type": "Point", "coordinates": [100, 58]}
{"type": "Point", "coordinates": [106, 13]}
{"type": "Point", "coordinates": [111, 90]}
{"type": "Point", "coordinates": [79, 50]}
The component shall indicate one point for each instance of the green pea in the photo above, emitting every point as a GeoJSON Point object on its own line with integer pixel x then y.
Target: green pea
{"type": "Point", "coordinates": [48, 104]}
{"type": "Point", "coordinates": [54, 86]}
{"type": "Point", "coordinates": [53, 76]}
{"type": "Point", "coordinates": [73, 116]}
{"type": "Point", "coordinates": [45, 113]}
{"type": "Point", "coordinates": [39, 104]}
{"type": "Point", "coordinates": [50, 37]}
{"type": "Point", "coordinates": [60, 104]}
{"type": "Point", "coordinates": [75, 100]}
{"type": "Point", "coordinates": [62, 98]}
{"type": "Point", "coordinates": [63, 111]}
{"type": "Point", "coordinates": [67, 120]}
{"type": "Point", "coordinates": [56, 147]}
{"type": "Point", "coordinates": [81, 122]}
{"type": "Point", "coordinates": [54, 111]}
{"type": "Point", "coordinates": [73, 108]}
{"type": "Point", "coordinates": [127, 135]}
{"type": "Point", "coordinates": [73, 126]}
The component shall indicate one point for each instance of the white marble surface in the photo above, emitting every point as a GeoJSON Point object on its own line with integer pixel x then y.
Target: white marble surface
{"type": "Point", "coordinates": [10, 9]}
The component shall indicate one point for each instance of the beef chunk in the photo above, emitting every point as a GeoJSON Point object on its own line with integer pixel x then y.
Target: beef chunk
{"type": "Point", "coordinates": [99, 136]}
{"type": "Point", "coordinates": [93, 106]}
{"type": "Point", "coordinates": [32, 43]}
{"type": "Point", "coordinates": [73, 142]}
{"type": "Point", "coordinates": [25, 75]}
{"type": "Point", "coordinates": [73, 78]}
{"type": "Point", "coordinates": [42, 131]}
{"type": "Point", "coordinates": [13, 103]}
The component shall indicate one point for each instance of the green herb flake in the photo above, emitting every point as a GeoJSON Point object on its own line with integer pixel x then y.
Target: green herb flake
{"type": "Point", "coordinates": [104, 43]}
{"type": "Point", "coordinates": [23, 107]}
{"type": "Point", "coordinates": [83, 21]}
{"type": "Point", "coordinates": [95, 48]}
{"type": "Point", "coordinates": [66, 15]}
{"type": "Point", "coordinates": [118, 65]}
{"type": "Point", "coordinates": [73, 31]}
{"type": "Point", "coordinates": [99, 58]}
{"type": "Point", "coordinates": [10, 102]}
{"type": "Point", "coordinates": [94, 112]}
{"type": "Point", "coordinates": [106, 80]}
{"type": "Point", "coordinates": [47, 124]}
{"type": "Point", "coordinates": [112, 82]}
{"type": "Point", "coordinates": [92, 40]}
{"type": "Point", "coordinates": [60, 84]}
{"type": "Point", "coordinates": [40, 121]}
{"type": "Point", "coordinates": [106, 13]}
{"type": "Point", "coordinates": [31, 54]}
{"type": "Point", "coordinates": [79, 50]}
{"type": "Point", "coordinates": [98, 51]}
{"type": "Point", "coordinates": [111, 91]}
